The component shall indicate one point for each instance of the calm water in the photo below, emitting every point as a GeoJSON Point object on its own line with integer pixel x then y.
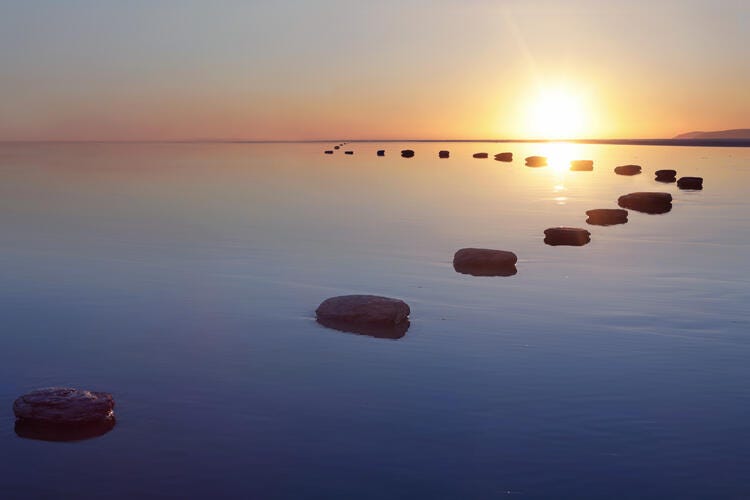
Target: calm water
{"type": "Point", "coordinates": [184, 279]}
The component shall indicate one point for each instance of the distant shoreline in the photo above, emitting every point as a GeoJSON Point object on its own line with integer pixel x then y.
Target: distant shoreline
{"type": "Point", "coordinates": [731, 143]}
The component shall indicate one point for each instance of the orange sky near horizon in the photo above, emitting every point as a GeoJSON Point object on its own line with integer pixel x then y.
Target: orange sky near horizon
{"type": "Point", "coordinates": [414, 70]}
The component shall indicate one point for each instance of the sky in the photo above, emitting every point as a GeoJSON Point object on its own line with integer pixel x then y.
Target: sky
{"type": "Point", "coordinates": [307, 70]}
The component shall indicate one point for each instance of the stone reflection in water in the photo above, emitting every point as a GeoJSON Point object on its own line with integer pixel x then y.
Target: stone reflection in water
{"type": "Point", "coordinates": [371, 315]}
{"type": "Point", "coordinates": [647, 202]}
{"type": "Point", "coordinates": [392, 332]}
{"type": "Point", "coordinates": [606, 216]}
{"type": "Point", "coordinates": [44, 431]}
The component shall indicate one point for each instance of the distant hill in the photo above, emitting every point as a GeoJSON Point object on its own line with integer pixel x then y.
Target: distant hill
{"type": "Point", "coordinates": [738, 133]}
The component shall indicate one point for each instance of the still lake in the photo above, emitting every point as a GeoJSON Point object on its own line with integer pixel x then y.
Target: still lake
{"type": "Point", "coordinates": [183, 279]}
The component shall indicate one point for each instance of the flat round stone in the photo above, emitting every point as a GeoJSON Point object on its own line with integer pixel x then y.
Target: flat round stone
{"type": "Point", "coordinates": [407, 153]}
{"type": "Point", "coordinates": [606, 216]}
{"type": "Point", "coordinates": [628, 170]}
{"type": "Point", "coordinates": [570, 236]}
{"type": "Point", "coordinates": [690, 183]}
{"type": "Point", "coordinates": [536, 161]}
{"type": "Point", "coordinates": [647, 202]}
{"type": "Point", "coordinates": [363, 309]}
{"type": "Point", "coordinates": [64, 406]}
{"type": "Point", "coordinates": [480, 155]}
{"type": "Point", "coordinates": [485, 262]}
{"type": "Point", "coordinates": [506, 156]}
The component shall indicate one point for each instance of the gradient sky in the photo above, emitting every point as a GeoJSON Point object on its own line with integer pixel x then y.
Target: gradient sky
{"type": "Point", "coordinates": [153, 70]}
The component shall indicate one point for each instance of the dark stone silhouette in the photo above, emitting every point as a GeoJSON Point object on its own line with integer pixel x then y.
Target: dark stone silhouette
{"type": "Point", "coordinates": [647, 202]}
{"type": "Point", "coordinates": [666, 175]}
{"type": "Point", "coordinates": [407, 153]}
{"type": "Point", "coordinates": [29, 429]}
{"type": "Point", "coordinates": [329, 152]}
{"type": "Point", "coordinates": [381, 152]}
{"type": "Point", "coordinates": [372, 315]}
{"type": "Point", "coordinates": [485, 262]}
{"type": "Point", "coordinates": [504, 157]}
{"type": "Point", "coordinates": [444, 154]}
{"type": "Point", "coordinates": [480, 155]}
{"type": "Point", "coordinates": [628, 170]}
{"type": "Point", "coordinates": [581, 165]}
{"type": "Point", "coordinates": [536, 161]}
{"type": "Point", "coordinates": [348, 152]}
{"type": "Point", "coordinates": [570, 236]}
{"type": "Point", "coordinates": [695, 183]}
{"type": "Point", "coordinates": [64, 406]}
{"type": "Point", "coordinates": [336, 147]}
{"type": "Point", "coordinates": [607, 216]}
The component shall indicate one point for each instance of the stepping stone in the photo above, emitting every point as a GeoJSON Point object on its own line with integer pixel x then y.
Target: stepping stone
{"type": "Point", "coordinates": [480, 155]}
{"type": "Point", "coordinates": [647, 202]}
{"type": "Point", "coordinates": [695, 183]}
{"type": "Point", "coordinates": [504, 157]}
{"type": "Point", "coordinates": [570, 236]}
{"type": "Point", "coordinates": [371, 315]}
{"type": "Point", "coordinates": [381, 152]}
{"type": "Point", "coordinates": [536, 161]}
{"type": "Point", "coordinates": [666, 175]}
{"type": "Point", "coordinates": [485, 262]}
{"type": "Point", "coordinates": [336, 147]}
{"type": "Point", "coordinates": [607, 216]}
{"type": "Point", "coordinates": [581, 165]}
{"type": "Point", "coordinates": [348, 152]}
{"type": "Point", "coordinates": [64, 406]}
{"type": "Point", "coordinates": [329, 152]}
{"type": "Point", "coordinates": [628, 170]}
{"type": "Point", "coordinates": [444, 154]}
{"type": "Point", "coordinates": [407, 153]}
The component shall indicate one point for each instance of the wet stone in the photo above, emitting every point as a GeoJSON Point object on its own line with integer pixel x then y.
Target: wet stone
{"type": "Point", "coordinates": [371, 315]}
{"type": "Point", "coordinates": [695, 183]}
{"type": "Point", "coordinates": [407, 153]}
{"type": "Point", "coordinates": [536, 161]}
{"type": "Point", "coordinates": [485, 262]}
{"type": "Point", "coordinates": [628, 170]}
{"type": "Point", "coordinates": [64, 406]}
{"type": "Point", "coordinates": [606, 216]}
{"type": "Point", "coordinates": [647, 202]}
{"type": "Point", "coordinates": [569, 236]}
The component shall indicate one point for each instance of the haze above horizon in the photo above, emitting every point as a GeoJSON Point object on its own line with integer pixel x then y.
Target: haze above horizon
{"type": "Point", "coordinates": [101, 71]}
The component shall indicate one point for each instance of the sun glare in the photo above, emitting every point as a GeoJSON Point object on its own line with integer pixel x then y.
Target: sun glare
{"type": "Point", "coordinates": [556, 114]}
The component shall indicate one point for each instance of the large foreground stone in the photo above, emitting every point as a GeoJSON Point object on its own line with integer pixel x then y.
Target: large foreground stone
{"type": "Point", "coordinates": [485, 262]}
{"type": "Point", "coordinates": [690, 183]}
{"type": "Point", "coordinates": [647, 202]}
{"type": "Point", "coordinates": [64, 406]}
{"type": "Point", "coordinates": [536, 161]}
{"type": "Point", "coordinates": [581, 165]}
{"type": "Point", "coordinates": [607, 216]}
{"type": "Point", "coordinates": [504, 156]}
{"type": "Point", "coordinates": [407, 153]}
{"type": "Point", "coordinates": [372, 315]}
{"type": "Point", "coordinates": [628, 170]}
{"type": "Point", "coordinates": [570, 236]}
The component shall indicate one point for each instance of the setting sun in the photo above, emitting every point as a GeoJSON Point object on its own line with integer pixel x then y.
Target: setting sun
{"type": "Point", "coordinates": [556, 113]}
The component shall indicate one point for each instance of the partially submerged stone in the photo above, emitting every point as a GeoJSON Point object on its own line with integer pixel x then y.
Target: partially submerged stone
{"type": "Point", "coordinates": [581, 165]}
{"type": "Point", "coordinates": [372, 315]}
{"type": "Point", "coordinates": [485, 262]}
{"type": "Point", "coordinates": [570, 236]}
{"type": "Point", "coordinates": [628, 170]}
{"type": "Point", "coordinates": [407, 153]}
{"type": "Point", "coordinates": [536, 161]}
{"type": "Point", "coordinates": [606, 216]}
{"type": "Point", "coordinates": [504, 157]}
{"type": "Point", "coordinates": [444, 154]}
{"type": "Point", "coordinates": [64, 406]}
{"type": "Point", "coordinates": [480, 155]}
{"type": "Point", "coordinates": [647, 202]}
{"type": "Point", "coordinates": [690, 183]}
{"type": "Point", "coordinates": [381, 152]}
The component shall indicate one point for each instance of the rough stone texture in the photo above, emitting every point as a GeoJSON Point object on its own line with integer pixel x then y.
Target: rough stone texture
{"type": "Point", "coordinates": [348, 152]}
{"type": "Point", "coordinates": [64, 406]}
{"type": "Point", "coordinates": [504, 157]}
{"type": "Point", "coordinates": [485, 262]}
{"type": "Point", "coordinates": [647, 202]}
{"type": "Point", "coordinates": [581, 165]}
{"type": "Point", "coordinates": [607, 216]}
{"type": "Point", "coordinates": [571, 236]}
{"type": "Point", "coordinates": [329, 152]}
{"type": "Point", "coordinates": [480, 155]}
{"type": "Point", "coordinates": [381, 152]}
{"type": "Point", "coordinates": [444, 154]}
{"type": "Point", "coordinates": [363, 309]}
{"type": "Point", "coordinates": [536, 161]}
{"type": "Point", "coordinates": [407, 153]}
{"type": "Point", "coordinates": [628, 170]}
{"type": "Point", "coordinates": [690, 183]}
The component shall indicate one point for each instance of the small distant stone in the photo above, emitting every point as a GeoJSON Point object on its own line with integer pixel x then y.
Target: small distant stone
{"type": "Point", "coordinates": [647, 202]}
{"type": "Point", "coordinates": [690, 183]}
{"type": "Point", "coordinates": [407, 153]}
{"type": "Point", "coordinates": [336, 147]}
{"type": "Point", "coordinates": [536, 161]}
{"type": "Point", "coordinates": [329, 152]}
{"type": "Point", "coordinates": [606, 216]}
{"type": "Point", "coordinates": [504, 157]}
{"type": "Point", "coordinates": [381, 152]}
{"type": "Point", "coordinates": [485, 262]}
{"type": "Point", "coordinates": [348, 152]}
{"type": "Point", "coordinates": [480, 155]}
{"type": "Point", "coordinates": [64, 406]}
{"type": "Point", "coordinates": [581, 165]}
{"type": "Point", "coordinates": [628, 170]}
{"type": "Point", "coordinates": [444, 154]}
{"type": "Point", "coordinates": [570, 236]}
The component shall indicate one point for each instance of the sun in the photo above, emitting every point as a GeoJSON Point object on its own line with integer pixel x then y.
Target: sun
{"type": "Point", "coordinates": [556, 113]}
